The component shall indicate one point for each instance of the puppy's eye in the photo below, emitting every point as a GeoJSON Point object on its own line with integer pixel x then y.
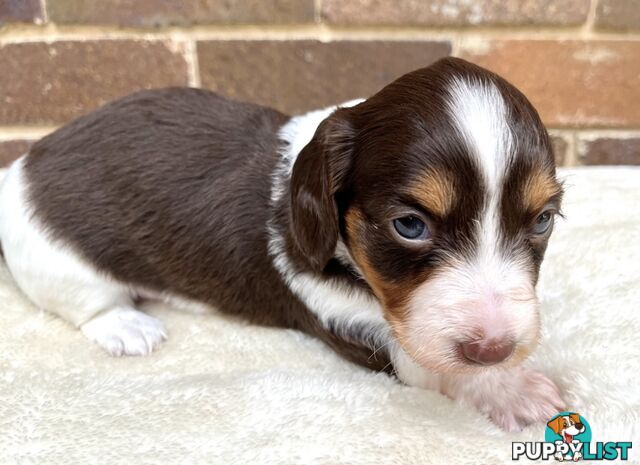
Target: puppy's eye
{"type": "Point", "coordinates": [543, 222]}
{"type": "Point", "coordinates": [411, 227]}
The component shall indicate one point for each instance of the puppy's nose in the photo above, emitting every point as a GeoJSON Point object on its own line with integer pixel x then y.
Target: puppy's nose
{"type": "Point", "coordinates": [487, 352]}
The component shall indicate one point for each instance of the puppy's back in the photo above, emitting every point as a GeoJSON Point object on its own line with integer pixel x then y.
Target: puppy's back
{"type": "Point", "coordinates": [165, 189]}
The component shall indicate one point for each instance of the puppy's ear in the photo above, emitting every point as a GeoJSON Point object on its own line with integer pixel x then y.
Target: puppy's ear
{"type": "Point", "coordinates": [320, 171]}
{"type": "Point", "coordinates": [556, 425]}
{"type": "Point", "coordinates": [575, 417]}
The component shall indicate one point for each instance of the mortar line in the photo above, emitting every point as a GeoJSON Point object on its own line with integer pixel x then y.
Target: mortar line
{"type": "Point", "coordinates": [51, 32]}
{"type": "Point", "coordinates": [24, 132]}
{"type": "Point", "coordinates": [596, 129]}
{"type": "Point", "coordinates": [572, 151]}
{"type": "Point", "coordinates": [588, 30]}
{"type": "Point", "coordinates": [456, 45]}
{"type": "Point", "coordinates": [193, 65]}
{"type": "Point", "coordinates": [45, 13]}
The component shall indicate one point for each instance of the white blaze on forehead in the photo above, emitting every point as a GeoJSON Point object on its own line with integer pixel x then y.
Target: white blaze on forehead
{"type": "Point", "coordinates": [480, 114]}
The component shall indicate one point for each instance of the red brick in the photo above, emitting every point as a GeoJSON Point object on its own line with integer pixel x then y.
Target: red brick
{"type": "Point", "coordinates": [52, 83]}
{"type": "Point", "coordinates": [609, 151]}
{"type": "Point", "coordinates": [618, 14]}
{"type": "Point", "coordinates": [456, 12]}
{"type": "Point", "coordinates": [151, 13]}
{"type": "Point", "coordinates": [12, 149]}
{"type": "Point", "coordinates": [571, 83]}
{"type": "Point", "coordinates": [23, 11]}
{"type": "Point", "coordinates": [297, 76]}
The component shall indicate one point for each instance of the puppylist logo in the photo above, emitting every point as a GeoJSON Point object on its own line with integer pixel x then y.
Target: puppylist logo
{"type": "Point", "coordinates": [567, 437]}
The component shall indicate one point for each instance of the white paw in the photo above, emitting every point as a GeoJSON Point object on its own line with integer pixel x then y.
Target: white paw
{"type": "Point", "coordinates": [527, 397]}
{"type": "Point", "coordinates": [125, 331]}
{"type": "Point", "coordinates": [513, 398]}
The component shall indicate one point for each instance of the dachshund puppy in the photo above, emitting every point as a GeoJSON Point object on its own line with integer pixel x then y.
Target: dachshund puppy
{"type": "Point", "coordinates": [405, 230]}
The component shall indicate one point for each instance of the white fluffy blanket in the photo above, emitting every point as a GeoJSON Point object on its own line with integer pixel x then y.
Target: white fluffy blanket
{"type": "Point", "coordinates": [220, 391]}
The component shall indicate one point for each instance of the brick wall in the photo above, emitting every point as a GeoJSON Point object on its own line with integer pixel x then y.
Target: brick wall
{"type": "Point", "coordinates": [577, 60]}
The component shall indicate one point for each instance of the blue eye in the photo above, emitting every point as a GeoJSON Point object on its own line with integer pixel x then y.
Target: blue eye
{"type": "Point", "coordinates": [543, 222]}
{"type": "Point", "coordinates": [411, 227]}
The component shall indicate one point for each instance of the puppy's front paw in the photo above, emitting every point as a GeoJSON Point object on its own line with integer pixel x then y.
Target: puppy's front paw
{"type": "Point", "coordinates": [125, 331]}
{"type": "Point", "coordinates": [512, 398]}
{"type": "Point", "coordinates": [527, 396]}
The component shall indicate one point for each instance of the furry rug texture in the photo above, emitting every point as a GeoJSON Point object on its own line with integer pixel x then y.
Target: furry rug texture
{"type": "Point", "coordinates": [224, 392]}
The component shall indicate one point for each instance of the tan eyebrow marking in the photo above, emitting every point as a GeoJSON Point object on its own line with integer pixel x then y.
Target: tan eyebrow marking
{"type": "Point", "coordinates": [435, 191]}
{"type": "Point", "coordinates": [538, 189]}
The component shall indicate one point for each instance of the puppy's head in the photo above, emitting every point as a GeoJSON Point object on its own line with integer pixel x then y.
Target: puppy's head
{"type": "Point", "coordinates": [443, 188]}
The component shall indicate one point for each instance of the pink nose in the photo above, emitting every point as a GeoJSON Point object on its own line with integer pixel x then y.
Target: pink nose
{"type": "Point", "coordinates": [487, 352]}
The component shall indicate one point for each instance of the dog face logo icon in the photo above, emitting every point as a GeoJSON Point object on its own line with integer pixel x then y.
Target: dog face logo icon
{"type": "Point", "coordinates": [567, 437]}
{"type": "Point", "coordinates": [569, 428]}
